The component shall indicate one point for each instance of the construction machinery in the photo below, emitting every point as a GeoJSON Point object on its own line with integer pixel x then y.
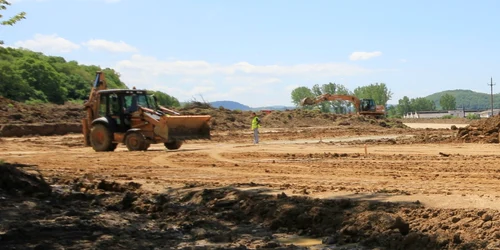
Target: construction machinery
{"type": "Point", "coordinates": [134, 117]}
{"type": "Point", "coordinates": [366, 107]}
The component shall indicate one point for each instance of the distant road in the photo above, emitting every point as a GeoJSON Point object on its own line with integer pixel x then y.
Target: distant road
{"type": "Point", "coordinates": [433, 125]}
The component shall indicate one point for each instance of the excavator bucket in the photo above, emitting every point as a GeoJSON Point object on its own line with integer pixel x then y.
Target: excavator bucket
{"type": "Point", "coordinates": [188, 127]}
{"type": "Point", "coordinates": [307, 101]}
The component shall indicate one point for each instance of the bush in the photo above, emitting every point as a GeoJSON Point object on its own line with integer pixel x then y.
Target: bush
{"type": "Point", "coordinates": [447, 117]}
{"type": "Point", "coordinates": [473, 116]}
{"type": "Point", "coordinates": [34, 102]}
{"type": "Point", "coordinates": [81, 102]}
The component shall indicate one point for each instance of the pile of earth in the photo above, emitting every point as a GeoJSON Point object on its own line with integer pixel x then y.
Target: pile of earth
{"type": "Point", "coordinates": [19, 179]}
{"type": "Point", "coordinates": [12, 112]}
{"type": "Point", "coordinates": [52, 119]}
{"type": "Point", "coordinates": [225, 119]}
{"type": "Point", "coordinates": [481, 131]}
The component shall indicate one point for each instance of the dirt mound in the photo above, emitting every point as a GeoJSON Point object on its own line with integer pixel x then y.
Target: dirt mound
{"type": "Point", "coordinates": [210, 214]}
{"type": "Point", "coordinates": [196, 105]}
{"type": "Point", "coordinates": [482, 131]}
{"type": "Point", "coordinates": [224, 119]}
{"type": "Point", "coordinates": [19, 119]}
{"type": "Point", "coordinates": [12, 112]}
{"type": "Point", "coordinates": [14, 180]}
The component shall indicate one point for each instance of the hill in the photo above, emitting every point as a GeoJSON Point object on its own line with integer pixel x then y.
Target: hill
{"type": "Point", "coordinates": [33, 77]}
{"type": "Point", "coordinates": [468, 99]}
{"type": "Point", "coordinates": [232, 105]}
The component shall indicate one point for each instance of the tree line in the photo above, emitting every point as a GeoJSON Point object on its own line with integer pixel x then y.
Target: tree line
{"type": "Point", "coordinates": [379, 92]}
{"type": "Point", "coordinates": [32, 77]}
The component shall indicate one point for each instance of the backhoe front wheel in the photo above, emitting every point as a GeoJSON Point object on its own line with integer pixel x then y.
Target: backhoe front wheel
{"type": "Point", "coordinates": [136, 141]}
{"type": "Point", "coordinates": [101, 138]}
{"type": "Point", "coordinates": [173, 144]}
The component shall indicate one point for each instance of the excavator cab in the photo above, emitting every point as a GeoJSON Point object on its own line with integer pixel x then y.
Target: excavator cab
{"type": "Point", "coordinates": [368, 105]}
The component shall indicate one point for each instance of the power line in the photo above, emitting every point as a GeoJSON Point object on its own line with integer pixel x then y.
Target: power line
{"type": "Point", "coordinates": [491, 85]}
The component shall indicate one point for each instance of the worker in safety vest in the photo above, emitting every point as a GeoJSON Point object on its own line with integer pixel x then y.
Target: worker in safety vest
{"type": "Point", "coordinates": [255, 127]}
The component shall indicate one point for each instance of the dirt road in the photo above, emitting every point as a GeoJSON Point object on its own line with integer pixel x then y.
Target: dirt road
{"type": "Point", "coordinates": [435, 125]}
{"type": "Point", "coordinates": [440, 190]}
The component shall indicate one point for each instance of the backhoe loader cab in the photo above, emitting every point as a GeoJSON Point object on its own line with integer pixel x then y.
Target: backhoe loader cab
{"type": "Point", "coordinates": [134, 118]}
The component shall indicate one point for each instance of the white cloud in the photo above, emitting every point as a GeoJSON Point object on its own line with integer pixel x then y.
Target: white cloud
{"type": "Point", "coordinates": [290, 88]}
{"type": "Point", "coordinates": [251, 84]}
{"type": "Point", "coordinates": [159, 67]}
{"type": "Point", "coordinates": [104, 45]}
{"type": "Point", "coordinates": [403, 60]}
{"type": "Point", "coordinates": [48, 44]}
{"type": "Point", "coordinates": [359, 55]}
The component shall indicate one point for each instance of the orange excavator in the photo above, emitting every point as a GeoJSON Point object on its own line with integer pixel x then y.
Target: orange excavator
{"type": "Point", "coordinates": [134, 117]}
{"type": "Point", "coordinates": [366, 107]}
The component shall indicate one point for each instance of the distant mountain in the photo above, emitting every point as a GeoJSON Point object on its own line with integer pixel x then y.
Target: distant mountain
{"type": "Point", "coordinates": [467, 99]}
{"type": "Point", "coordinates": [230, 105]}
{"type": "Point", "coordinates": [238, 106]}
{"type": "Point", "coordinates": [277, 107]}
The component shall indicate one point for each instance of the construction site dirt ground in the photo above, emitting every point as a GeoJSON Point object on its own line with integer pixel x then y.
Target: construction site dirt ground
{"type": "Point", "coordinates": [349, 186]}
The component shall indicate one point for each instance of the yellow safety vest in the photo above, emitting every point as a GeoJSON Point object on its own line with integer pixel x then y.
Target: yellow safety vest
{"type": "Point", "coordinates": [255, 122]}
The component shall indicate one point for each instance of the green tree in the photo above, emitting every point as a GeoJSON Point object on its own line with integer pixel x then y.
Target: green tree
{"type": "Point", "coordinates": [300, 93]}
{"type": "Point", "coordinates": [165, 99]}
{"type": "Point", "coordinates": [334, 89]}
{"type": "Point", "coordinates": [378, 92]}
{"type": "Point", "coordinates": [33, 77]}
{"type": "Point", "coordinates": [422, 104]}
{"type": "Point", "coordinates": [392, 111]}
{"type": "Point", "coordinates": [12, 20]}
{"type": "Point", "coordinates": [319, 90]}
{"type": "Point", "coordinates": [448, 102]}
{"type": "Point", "coordinates": [41, 76]}
{"type": "Point", "coordinates": [341, 106]}
{"type": "Point", "coordinates": [12, 85]}
{"type": "Point", "coordinates": [404, 106]}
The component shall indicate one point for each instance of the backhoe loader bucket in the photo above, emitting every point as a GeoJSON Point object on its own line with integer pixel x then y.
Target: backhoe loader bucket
{"type": "Point", "coordinates": [307, 101]}
{"type": "Point", "coordinates": [186, 127]}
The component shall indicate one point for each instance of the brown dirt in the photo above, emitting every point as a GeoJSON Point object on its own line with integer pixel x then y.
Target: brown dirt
{"type": "Point", "coordinates": [481, 131]}
{"type": "Point", "coordinates": [12, 112]}
{"type": "Point", "coordinates": [19, 119]}
{"type": "Point", "coordinates": [324, 180]}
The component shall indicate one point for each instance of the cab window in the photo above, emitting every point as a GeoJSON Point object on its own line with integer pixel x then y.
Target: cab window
{"type": "Point", "coordinates": [114, 105]}
{"type": "Point", "coordinates": [102, 105]}
{"type": "Point", "coordinates": [142, 101]}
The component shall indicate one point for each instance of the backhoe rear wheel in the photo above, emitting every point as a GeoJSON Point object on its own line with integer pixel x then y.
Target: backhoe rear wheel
{"type": "Point", "coordinates": [101, 138]}
{"type": "Point", "coordinates": [136, 141]}
{"type": "Point", "coordinates": [173, 144]}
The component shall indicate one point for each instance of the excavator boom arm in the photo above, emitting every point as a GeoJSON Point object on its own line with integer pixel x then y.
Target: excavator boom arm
{"type": "Point", "coordinates": [330, 97]}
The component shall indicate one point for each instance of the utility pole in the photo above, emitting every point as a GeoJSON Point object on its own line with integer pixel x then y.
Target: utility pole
{"type": "Point", "coordinates": [491, 85]}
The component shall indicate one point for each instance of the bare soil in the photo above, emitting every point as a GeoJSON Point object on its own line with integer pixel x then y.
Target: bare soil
{"type": "Point", "coordinates": [314, 182]}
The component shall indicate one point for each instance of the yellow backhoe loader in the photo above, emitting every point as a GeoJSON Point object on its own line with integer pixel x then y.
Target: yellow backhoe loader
{"type": "Point", "coordinates": [134, 117]}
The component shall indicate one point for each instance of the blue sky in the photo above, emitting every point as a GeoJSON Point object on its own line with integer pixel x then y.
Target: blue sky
{"type": "Point", "coordinates": [257, 52]}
